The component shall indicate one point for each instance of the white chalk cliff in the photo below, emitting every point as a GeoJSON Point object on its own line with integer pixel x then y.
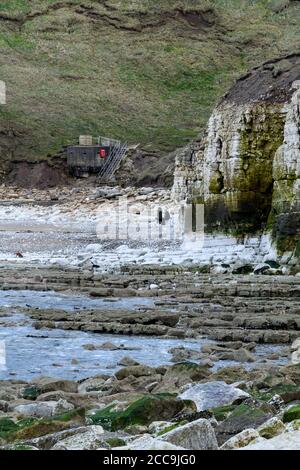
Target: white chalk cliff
{"type": "Point", "coordinates": [246, 169]}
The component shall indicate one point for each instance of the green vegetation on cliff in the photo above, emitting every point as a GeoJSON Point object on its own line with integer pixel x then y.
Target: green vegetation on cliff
{"type": "Point", "coordinates": [148, 71]}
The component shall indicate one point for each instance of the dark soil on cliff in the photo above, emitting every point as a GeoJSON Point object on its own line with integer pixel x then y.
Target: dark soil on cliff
{"type": "Point", "coordinates": [271, 81]}
{"type": "Point", "coordinates": [38, 175]}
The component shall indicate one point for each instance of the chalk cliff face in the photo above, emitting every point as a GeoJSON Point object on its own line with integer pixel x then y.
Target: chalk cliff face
{"type": "Point", "coordinates": [285, 213]}
{"type": "Point", "coordinates": [246, 169]}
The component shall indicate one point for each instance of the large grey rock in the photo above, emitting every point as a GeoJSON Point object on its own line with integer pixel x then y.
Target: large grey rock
{"type": "Point", "coordinates": [92, 384]}
{"type": "Point", "coordinates": [135, 371]}
{"type": "Point", "coordinates": [148, 442]}
{"type": "Point", "coordinates": [295, 359]}
{"type": "Point", "coordinates": [3, 405]}
{"type": "Point", "coordinates": [49, 440]}
{"type": "Point", "coordinates": [50, 384]}
{"type": "Point", "coordinates": [91, 439]}
{"type": "Point", "coordinates": [286, 441]}
{"type": "Point", "coordinates": [241, 440]}
{"type": "Point", "coordinates": [240, 355]}
{"type": "Point", "coordinates": [295, 345]}
{"type": "Point", "coordinates": [39, 410]}
{"type": "Point", "coordinates": [127, 361]}
{"type": "Point", "coordinates": [44, 409]}
{"type": "Point", "coordinates": [212, 394]}
{"type": "Point", "coordinates": [197, 435]}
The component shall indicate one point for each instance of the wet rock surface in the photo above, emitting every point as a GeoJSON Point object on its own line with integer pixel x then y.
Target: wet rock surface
{"type": "Point", "coordinates": [235, 308]}
{"type": "Point", "coordinates": [119, 412]}
{"type": "Point", "coordinates": [148, 356]}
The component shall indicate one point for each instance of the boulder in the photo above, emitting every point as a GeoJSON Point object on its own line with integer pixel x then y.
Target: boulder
{"type": "Point", "coordinates": [291, 414]}
{"type": "Point", "coordinates": [44, 409]}
{"type": "Point", "coordinates": [48, 384]}
{"type": "Point", "coordinates": [197, 435]}
{"type": "Point", "coordinates": [91, 439]}
{"type": "Point", "coordinates": [140, 412]}
{"type": "Point", "coordinates": [240, 355]}
{"type": "Point", "coordinates": [127, 361]}
{"type": "Point", "coordinates": [241, 440]}
{"type": "Point", "coordinates": [92, 384]}
{"type": "Point", "coordinates": [271, 428]}
{"type": "Point", "coordinates": [79, 400]}
{"type": "Point", "coordinates": [241, 268]}
{"type": "Point", "coordinates": [108, 346]}
{"type": "Point", "coordinates": [135, 371]}
{"type": "Point", "coordinates": [295, 359]}
{"type": "Point", "coordinates": [218, 269]}
{"type": "Point", "coordinates": [180, 354]}
{"type": "Point", "coordinates": [148, 442]}
{"type": "Point", "coordinates": [213, 394]}
{"type": "Point", "coordinates": [30, 392]}
{"type": "Point", "coordinates": [158, 426]}
{"type": "Point", "coordinates": [153, 286]}
{"type": "Point", "coordinates": [286, 441]}
{"type": "Point", "coordinates": [261, 268]}
{"type": "Point", "coordinates": [46, 441]}
{"type": "Point", "coordinates": [3, 405]}
{"type": "Point", "coordinates": [100, 291]}
{"type": "Point", "coordinates": [230, 374]}
{"type": "Point", "coordinates": [295, 345]}
{"type": "Point", "coordinates": [249, 414]}
{"type": "Point", "coordinates": [293, 425]}
{"type": "Point", "coordinates": [40, 410]}
{"type": "Point", "coordinates": [181, 374]}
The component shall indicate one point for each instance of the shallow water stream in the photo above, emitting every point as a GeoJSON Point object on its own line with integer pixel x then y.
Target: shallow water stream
{"type": "Point", "coordinates": [27, 352]}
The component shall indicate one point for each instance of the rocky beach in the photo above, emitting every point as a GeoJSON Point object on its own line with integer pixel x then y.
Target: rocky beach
{"type": "Point", "coordinates": [138, 353]}
{"type": "Point", "coordinates": [149, 279]}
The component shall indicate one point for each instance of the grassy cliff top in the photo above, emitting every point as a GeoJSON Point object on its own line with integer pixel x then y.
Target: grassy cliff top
{"type": "Point", "coordinates": [146, 71]}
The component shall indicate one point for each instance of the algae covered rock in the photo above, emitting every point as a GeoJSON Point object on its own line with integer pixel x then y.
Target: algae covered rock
{"type": "Point", "coordinates": [32, 428]}
{"type": "Point", "coordinates": [271, 428]}
{"type": "Point", "coordinates": [141, 412]}
{"type": "Point", "coordinates": [292, 414]}
{"type": "Point", "coordinates": [135, 371]}
{"type": "Point", "coordinates": [241, 440]}
{"type": "Point", "coordinates": [248, 415]}
{"type": "Point", "coordinates": [31, 392]}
